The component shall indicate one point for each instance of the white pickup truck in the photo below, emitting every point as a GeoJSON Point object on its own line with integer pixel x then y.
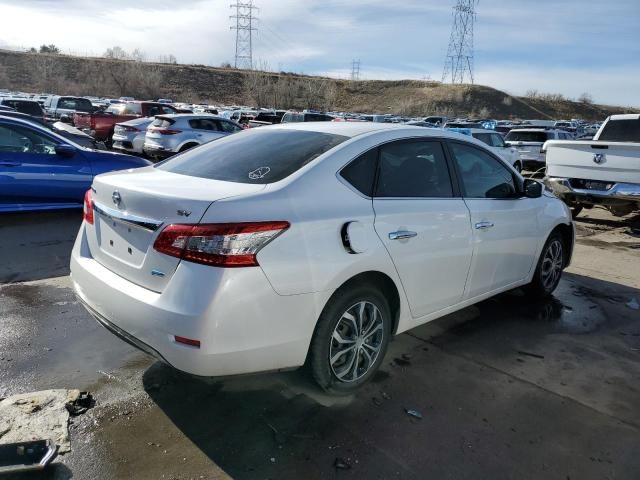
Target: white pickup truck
{"type": "Point", "coordinates": [604, 171]}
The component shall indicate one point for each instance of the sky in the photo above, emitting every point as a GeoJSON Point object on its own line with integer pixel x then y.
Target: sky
{"type": "Point", "coordinates": [553, 46]}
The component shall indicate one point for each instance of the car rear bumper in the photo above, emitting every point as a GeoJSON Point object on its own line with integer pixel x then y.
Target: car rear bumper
{"type": "Point", "coordinates": [157, 151]}
{"type": "Point", "coordinates": [243, 325]}
{"type": "Point", "coordinates": [616, 193]}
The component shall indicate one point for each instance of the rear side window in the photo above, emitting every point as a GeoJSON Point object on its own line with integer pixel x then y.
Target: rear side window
{"type": "Point", "coordinates": [317, 117]}
{"type": "Point", "coordinates": [361, 172]}
{"type": "Point", "coordinates": [259, 156]}
{"type": "Point", "coordinates": [116, 109]}
{"type": "Point", "coordinates": [516, 136]}
{"type": "Point", "coordinates": [413, 169]}
{"type": "Point", "coordinates": [204, 124]}
{"type": "Point", "coordinates": [621, 131]}
{"type": "Point", "coordinates": [78, 104]}
{"type": "Point", "coordinates": [133, 109]}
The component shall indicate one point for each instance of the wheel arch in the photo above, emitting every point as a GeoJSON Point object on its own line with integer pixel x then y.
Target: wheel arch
{"type": "Point", "coordinates": [187, 143]}
{"type": "Point", "coordinates": [566, 233]}
{"type": "Point", "coordinates": [382, 282]}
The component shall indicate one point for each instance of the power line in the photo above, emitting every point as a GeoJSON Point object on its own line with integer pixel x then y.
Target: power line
{"type": "Point", "coordinates": [355, 70]}
{"type": "Point", "coordinates": [244, 32]}
{"type": "Point", "coordinates": [458, 65]}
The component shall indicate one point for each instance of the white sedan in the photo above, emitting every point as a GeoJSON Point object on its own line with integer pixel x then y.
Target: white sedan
{"type": "Point", "coordinates": [310, 242]}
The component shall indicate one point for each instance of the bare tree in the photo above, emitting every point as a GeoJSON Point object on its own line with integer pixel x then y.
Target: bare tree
{"type": "Point", "coordinates": [116, 53]}
{"type": "Point", "coordinates": [585, 98]}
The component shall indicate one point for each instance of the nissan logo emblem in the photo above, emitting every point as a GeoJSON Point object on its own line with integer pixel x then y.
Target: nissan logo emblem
{"type": "Point", "coordinates": [598, 158]}
{"type": "Point", "coordinates": [115, 196]}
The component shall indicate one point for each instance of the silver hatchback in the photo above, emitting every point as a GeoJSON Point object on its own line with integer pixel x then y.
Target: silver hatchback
{"type": "Point", "coordinates": [170, 134]}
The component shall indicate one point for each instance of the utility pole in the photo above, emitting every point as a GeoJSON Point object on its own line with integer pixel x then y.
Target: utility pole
{"type": "Point", "coordinates": [458, 66]}
{"type": "Point", "coordinates": [244, 32]}
{"type": "Point", "coordinates": [355, 70]}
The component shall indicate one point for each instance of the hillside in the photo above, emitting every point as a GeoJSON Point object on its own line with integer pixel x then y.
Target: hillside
{"type": "Point", "coordinates": [64, 74]}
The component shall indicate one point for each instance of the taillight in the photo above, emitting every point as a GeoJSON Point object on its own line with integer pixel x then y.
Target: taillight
{"type": "Point", "coordinates": [128, 128]}
{"type": "Point", "coordinates": [218, 244]}
{"type": "Point", "coordinates": [166, 131]}
{"type": "Point", "coordinates": [88, 207]}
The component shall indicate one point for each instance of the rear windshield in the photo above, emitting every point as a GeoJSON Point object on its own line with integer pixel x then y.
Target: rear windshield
{"type": "Point", "coordinates": [78, 104]}
{"type": "Point", "coordinates": [621, 131]}
{"type": "Point", "coordinates": [162, 122]}
{"type": "Point", "coordinates": [257, 156]}
{"type": "Point", "coordinates": [24, 106]}
{"type": "Point", "coordinates": [515, 136]}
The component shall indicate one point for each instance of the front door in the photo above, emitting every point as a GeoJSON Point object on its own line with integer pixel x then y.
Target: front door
{"type": "Point", "coordinates": [32, 174]}
{"type": "Point", "coordinates": [504, 224]}
{"type": "Point", "coordinates": [422, 223]}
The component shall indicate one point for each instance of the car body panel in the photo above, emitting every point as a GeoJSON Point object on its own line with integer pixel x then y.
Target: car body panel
{"type": "Point", "coordinates": [300, 269]}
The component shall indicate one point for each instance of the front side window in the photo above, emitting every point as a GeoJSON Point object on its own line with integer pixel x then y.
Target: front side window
{"type": "Point", "coordinates": [482, 175]}
{"type": "Point", "coordinates": [413, 169]}
{"type": "Point", "coordinates": [257, 156]}
{"type": "Point", "coordinates": [17, 139]}
{"type": "Point", "coordinates": [497, 140]}
{"type": "Point", "coordinates": [229, 127]}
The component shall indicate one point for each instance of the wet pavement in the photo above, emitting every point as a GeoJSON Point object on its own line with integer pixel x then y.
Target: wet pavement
{"type": "Point", "coordinates": [505, 389]}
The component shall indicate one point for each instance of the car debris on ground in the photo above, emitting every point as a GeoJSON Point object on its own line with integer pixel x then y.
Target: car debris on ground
{"type": "Point", "coordinates": [34, 426]}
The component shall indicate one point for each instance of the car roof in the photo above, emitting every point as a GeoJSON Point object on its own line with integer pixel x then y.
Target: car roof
{"type": "Point", "coordinates": [356, 129]}
{"type": "Point", "coordinates": [177, 116]}
{"type": "Point", "coordinates": [27, 100]}
{"type": "Point", "coordinates": [625, 116]}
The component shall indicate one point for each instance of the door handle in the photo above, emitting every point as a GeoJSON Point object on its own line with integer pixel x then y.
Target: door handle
{"type": "Point", "coordinates": [10, 164]}
{"type": "Point", "coordinates": [402, 234]}
{"type": "Point", "coordinates": [483, 225]}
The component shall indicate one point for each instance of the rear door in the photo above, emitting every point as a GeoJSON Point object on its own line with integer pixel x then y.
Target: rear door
{"type": "Point", "coordinates": [31, 173]}
{"type": "Point", "coordinates": [504, 225]}
{"type": "Point", "coordinates": [423, 223]}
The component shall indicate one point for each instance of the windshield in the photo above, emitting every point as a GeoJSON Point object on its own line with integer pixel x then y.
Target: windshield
{"type": "Point", "coordinates": [515, 136]}
{"type": "Point", "coordinates": [257, 156]}
{"type": "Point", "coordinates": [621, 131]}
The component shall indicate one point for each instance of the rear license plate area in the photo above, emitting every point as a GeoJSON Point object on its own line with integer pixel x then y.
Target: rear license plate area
{"type": "Point", "coordinates": [123, 241]}
{"type": "Point", "coordinates": [593, 185]}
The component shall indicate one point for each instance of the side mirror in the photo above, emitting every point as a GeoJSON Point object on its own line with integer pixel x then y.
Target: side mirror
{"type": "Point", "coordinates": [532, 188]}
{"type": "Point", "coordinates": [65, 150]}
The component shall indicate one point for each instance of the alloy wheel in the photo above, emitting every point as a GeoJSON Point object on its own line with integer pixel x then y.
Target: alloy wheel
{"type": "Point", "coordinates": [552, 264]}
{"type": "Point", "coordinates": [356, 341]}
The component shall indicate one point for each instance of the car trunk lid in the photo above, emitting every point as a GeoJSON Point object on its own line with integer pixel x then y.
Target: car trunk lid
{"type": "Point", "coordinates": [130, 210]}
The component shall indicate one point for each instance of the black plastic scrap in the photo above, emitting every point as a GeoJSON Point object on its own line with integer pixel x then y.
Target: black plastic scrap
{"type": "Point", "coordinates": [341, 464]}
{"type": "Point", "coordinates": [83, 403]}
{"type": "Point", "coordinates": [413, 413]}
{"type": "Point", "coordinates": [26, 456]}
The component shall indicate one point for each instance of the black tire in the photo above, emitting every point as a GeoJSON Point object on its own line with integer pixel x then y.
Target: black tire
{"type": "Point", "coordinates": [324, 343]}
{"type": "Point", "coordinates": [542, 285]}
{"type": "Point", "coordinates": [188, 146]}
{"type": "Point", "coordinates": [575, 210]}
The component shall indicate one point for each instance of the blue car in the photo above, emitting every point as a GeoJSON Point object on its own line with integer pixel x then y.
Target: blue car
{"type": "Point", "coordinates": [40, 170]}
